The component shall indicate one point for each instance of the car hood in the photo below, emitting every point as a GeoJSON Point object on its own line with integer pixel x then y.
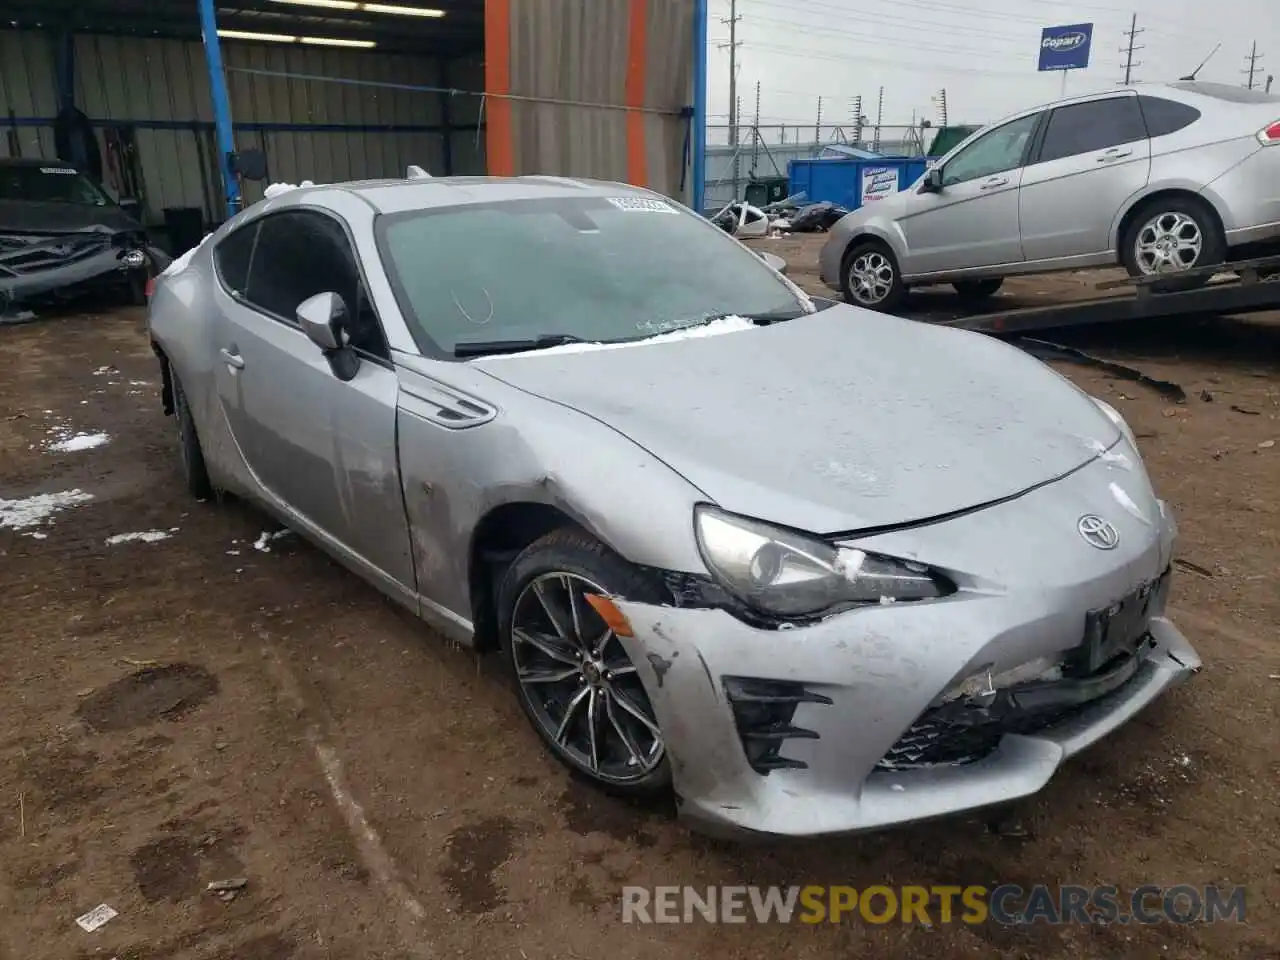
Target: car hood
{"type": "Point", "coordinates": [841, 421]}
{"type": "Point", "coordinates": [32, 216]}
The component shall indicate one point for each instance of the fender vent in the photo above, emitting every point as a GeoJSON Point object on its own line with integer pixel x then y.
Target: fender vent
{"type": "Point", "coordinates": [443, 405]}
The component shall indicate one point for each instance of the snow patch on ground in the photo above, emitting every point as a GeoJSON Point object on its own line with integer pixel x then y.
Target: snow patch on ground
{"type": "Point", "coordinates": [39, 509]}
{"type": "Point", "coordinates": [143, 536]}
{"type": "Point", "coordinates": [263, 543]}
{"type": "Point", "coordinates": [715, 328]}
{"type": "Point", "coordinates": [79, 441]}
{"type": "Point", "coordinates": [275, 189]}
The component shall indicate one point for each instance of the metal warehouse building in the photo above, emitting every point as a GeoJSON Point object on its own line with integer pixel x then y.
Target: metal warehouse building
{"type": "Point", "coordinates": [340, 90]}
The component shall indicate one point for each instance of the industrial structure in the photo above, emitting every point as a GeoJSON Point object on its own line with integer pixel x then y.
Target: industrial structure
{"type": "Point", "coordinates": [335, 90]}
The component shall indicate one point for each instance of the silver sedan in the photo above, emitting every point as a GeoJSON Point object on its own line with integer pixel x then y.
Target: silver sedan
{"type": "Point", "coordinates": [814, 569]}
{"type": "Point", "coordinates": [1158, 178]}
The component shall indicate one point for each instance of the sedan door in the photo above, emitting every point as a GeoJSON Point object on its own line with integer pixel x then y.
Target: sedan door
{"type": "Point", "coordinates": [319, 446]}
{"type": "Point", "coordinates": [972, 221]}
{"type": "Point", "coordinates": [1094, 156]}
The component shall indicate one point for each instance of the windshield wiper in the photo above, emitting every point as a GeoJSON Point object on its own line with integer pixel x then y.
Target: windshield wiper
{"type": "Point", "coordinates": [486, 348]}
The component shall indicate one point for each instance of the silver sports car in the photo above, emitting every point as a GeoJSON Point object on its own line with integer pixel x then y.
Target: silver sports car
{"type": "Point", "coordinates": [813, 568]}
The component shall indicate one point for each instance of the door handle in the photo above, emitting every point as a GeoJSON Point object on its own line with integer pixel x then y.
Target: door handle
{"type": "Point", "coordinates": [994, 182]}
{"type": "Point", "coordinates": [232, 359]}
{"type": "Point", "coordinates": [1114, 154]}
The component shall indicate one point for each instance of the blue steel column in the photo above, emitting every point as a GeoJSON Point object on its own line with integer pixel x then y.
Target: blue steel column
{"type": "Point", "coordinates": [221, 104]}
{"type": "Point", "coordinates": [699, 132]}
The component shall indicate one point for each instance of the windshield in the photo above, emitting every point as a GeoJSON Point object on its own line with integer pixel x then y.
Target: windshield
{"type": "Point", "coordinates": [596, 269]}
{"type": "Point", "coordinates": [52, 183]}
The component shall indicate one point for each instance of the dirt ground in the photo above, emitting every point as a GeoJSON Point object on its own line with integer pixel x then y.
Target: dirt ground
{"type": "Point", "coordinates": [197, 709]}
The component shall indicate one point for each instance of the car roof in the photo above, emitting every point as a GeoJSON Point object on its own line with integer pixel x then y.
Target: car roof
{"type": "Point", "coordinates": [397, 196]}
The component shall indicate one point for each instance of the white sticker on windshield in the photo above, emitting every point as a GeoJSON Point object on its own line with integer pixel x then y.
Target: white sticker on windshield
{"type": "Point", "coordinates": [57, 170]}
{"type": "Point", "coordinates": [642, 205]}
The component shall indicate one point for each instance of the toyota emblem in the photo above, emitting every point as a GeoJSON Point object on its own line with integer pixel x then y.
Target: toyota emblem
{"type": "Point", "coordinates": [1098, 532]}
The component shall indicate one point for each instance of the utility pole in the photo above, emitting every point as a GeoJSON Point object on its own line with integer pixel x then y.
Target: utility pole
{"type": "Point", "coordinates": [940, 100]}
{"type": "Point", "coordinates": [1132, 34]}
{"type": "Point", "coordinates": [1253, 58]}
{"type": "Point", "coordinates": [755, 136]}
{"type": "Point", "coordinates": [875, 143]}
{"type": "Point", "coordinates": [817, 130]}
{"type": "Point", "coordinates": [857, 120]}
{"type": "Point", "coordinates": [735, 103]}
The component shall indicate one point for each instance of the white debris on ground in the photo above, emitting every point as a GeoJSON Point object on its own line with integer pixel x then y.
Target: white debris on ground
{"type": "Point", "coordinates": [180, 263]}
{"type": "Point", "coordinates": [275, 189]}
{"type": "Point", "coordinates": [263, 543]}
{"type": "Point", "coordinates": [100, 372]}
{"type": "Point", "coordinates": [39, 509]}
{"type": "Point", "coordinates": [722, 325]}
{"type": "Point", "coordinates": [79, 441]}
{"type": "Point", "coordinates": [143, 536]}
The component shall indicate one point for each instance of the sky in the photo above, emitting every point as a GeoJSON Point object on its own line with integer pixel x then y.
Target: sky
{"type": "Point", "coordinates": [982, 52]}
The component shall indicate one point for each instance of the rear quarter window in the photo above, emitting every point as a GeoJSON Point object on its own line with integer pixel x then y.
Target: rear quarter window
{"type": "Point", "coordinates": [232, 256]}
{"type": "Point", "coordinates": [1164, 117]}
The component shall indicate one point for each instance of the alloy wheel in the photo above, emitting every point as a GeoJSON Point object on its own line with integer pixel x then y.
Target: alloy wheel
{"type": "Point", "coordinates": [870, 277]}
{"type": "Point", "coordinates": [578, 681]}
{"type": "Point", "coordinates": [1168, 243]}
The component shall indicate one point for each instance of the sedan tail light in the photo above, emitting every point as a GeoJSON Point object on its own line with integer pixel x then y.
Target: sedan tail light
{"type": "Point", "coordinates": [1269, 136]}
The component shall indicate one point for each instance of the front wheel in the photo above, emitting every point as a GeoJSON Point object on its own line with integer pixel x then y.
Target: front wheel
{"type": "Point", "coordinates": [870, 277]}
{"type": "Point", "coordinates": [975, 291]}
{"type": "Point", "coordinates": [575, 681]}
{"type": "Point", "coordinates": [1172, 236]}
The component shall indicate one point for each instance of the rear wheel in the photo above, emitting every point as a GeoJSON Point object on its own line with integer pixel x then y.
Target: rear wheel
{"type": "Point", "coordinates": [1171, 236]}
{"type": "Point", "coordinates": [194, 473]}
{"type": "Point", "coordinates": [870, 277]}
{"type": "Point", "coordinates": [975, 291]}
{"type": "Point", "coordinates": [573, 676]}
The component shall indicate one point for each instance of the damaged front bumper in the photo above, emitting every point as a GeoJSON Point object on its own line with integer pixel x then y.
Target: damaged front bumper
{"type": "Point", "coordinates": [795, 732]}
{"type": "Point", "coordinates": [48, 270]}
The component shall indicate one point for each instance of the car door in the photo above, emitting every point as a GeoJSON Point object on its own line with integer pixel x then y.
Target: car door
{"type": "Point", "coordinates": [972, 221]}
{"type": "Point", "coordinates": [1093, 157]}
{"type": "Point", "coordinates": [322, 447]}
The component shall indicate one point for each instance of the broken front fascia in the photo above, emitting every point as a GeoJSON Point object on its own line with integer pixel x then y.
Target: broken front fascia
{"type": "Point", "coordinates": [35, 266]}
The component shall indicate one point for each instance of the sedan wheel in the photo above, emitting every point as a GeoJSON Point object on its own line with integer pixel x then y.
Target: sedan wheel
{"type": "Point", "coordinates": [1168, 243]}
{"type": "Point", "coordinates": [578, 683]}
{"type": "Point", "coordinates": [871, 278]}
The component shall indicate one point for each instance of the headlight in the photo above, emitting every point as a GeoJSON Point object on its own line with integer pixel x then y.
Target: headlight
{"type": "Point", "coordinates": [788, 574]}
{"type": "Point", "coordinates": [1114, 416]}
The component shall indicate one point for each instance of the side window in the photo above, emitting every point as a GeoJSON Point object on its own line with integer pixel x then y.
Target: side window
{"type": "Point", "coordinates": [232, 256]}
{"type": "Point", "coordinates": [1087, 127]}
{"type": "Point", "coordinates": [1002, 149]}
{"type": "Point", "coordinates": [301, 253]}
{"type": "Point", "coordinates": [1166, 116]}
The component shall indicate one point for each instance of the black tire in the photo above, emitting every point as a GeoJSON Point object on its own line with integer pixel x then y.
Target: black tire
{"type": "Point", "coordinates": [975, 291]}
{"type": "Point", "coordinates": [194, 473]}
{"type": "Point", "coordinates": [1174, 212]}
{"type": "Point", "coordinates": [572, 553]}
{"type": "Point", "coordinates": [861, 259]}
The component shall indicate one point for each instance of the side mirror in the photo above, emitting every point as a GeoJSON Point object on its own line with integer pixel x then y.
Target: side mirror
{"type": "Point", "coordinates": [932, 182]}
{"type": "Point", "coordinates": [773, 260]}
{"type": "Point", "coordinates": [249, 164]}
{"type": "Point", "coordinates": [321, 318]}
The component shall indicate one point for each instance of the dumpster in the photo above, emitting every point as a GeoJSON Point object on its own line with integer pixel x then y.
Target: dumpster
{"type": "Point", "coordinates": [185, 227]}
{"type": "Point", "coordinates": [851, 183]}
{"type": "Point", "coordinates": [765, 190]}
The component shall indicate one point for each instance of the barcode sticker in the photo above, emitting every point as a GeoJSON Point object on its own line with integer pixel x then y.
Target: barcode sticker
{"type": "Point", "coordinates": [642, 205]}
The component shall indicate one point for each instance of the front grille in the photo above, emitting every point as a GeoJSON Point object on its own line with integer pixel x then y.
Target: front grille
{"type": "Point", "coordinates": [763, 711]}
{"type": "Point", "coordinates": [969, 729]}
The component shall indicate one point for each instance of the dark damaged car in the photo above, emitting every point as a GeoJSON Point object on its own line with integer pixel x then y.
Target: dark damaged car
{"type": "Point", "coordinates": [62, 236]}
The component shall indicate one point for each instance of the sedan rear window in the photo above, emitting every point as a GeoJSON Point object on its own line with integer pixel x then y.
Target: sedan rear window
{"type": "Point", "coordinates": [54, 183]}
{"type": "Point", "coordinates": [597, 269]}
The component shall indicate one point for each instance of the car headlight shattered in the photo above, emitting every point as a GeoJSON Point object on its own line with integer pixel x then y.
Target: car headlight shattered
{"type": "Point", "coordinates": [788, 574]}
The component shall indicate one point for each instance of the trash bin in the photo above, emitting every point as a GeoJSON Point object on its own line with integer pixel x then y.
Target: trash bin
{"type": "Point", "coordinates": [185, 228]}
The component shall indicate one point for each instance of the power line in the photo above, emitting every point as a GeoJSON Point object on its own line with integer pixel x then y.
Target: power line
{"type": "Point", "coordinates": [1253, 58]}
{"type": "Point", "coordinates": [1132, 34]}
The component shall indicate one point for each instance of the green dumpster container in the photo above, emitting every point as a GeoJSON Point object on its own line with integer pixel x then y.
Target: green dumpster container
{"type": "Point", "coordinates": [764, 191]}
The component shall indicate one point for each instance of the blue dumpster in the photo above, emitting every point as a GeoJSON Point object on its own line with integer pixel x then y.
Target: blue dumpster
{"type": "Point", "coordinates": [851, 183]}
